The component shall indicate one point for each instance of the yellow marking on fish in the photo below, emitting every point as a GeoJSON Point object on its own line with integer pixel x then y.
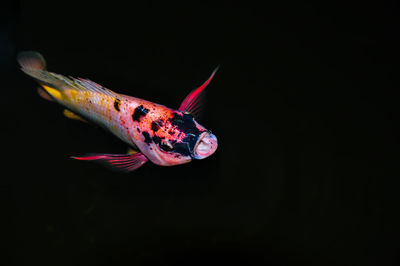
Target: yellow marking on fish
{"type": "Point", "coordinates": [71, 95]}
{"type": "Point", "coordinates": [53, 92]}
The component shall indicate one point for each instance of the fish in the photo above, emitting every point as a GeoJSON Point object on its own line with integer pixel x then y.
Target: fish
{"type": "Point", "coordinates": [153, 132]}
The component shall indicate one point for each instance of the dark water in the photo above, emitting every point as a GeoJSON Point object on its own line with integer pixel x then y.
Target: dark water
{"type": "Point", "coordinates": [303, 106]}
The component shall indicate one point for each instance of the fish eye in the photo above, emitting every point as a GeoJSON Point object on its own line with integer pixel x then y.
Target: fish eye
{"type": "Point", "coordinates": [166, 146]}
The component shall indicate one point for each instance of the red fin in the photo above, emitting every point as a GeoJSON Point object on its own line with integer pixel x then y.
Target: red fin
{"type": "Point", "coordinates": [120, 162]}
{"type": "Point", "coordinates": [193, 103]}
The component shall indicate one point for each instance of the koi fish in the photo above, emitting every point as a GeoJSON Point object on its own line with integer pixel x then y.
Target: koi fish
{"type": "Point", "coordinates": [163, 135]}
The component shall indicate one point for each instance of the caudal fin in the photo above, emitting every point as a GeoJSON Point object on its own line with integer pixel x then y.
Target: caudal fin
{"type": "Point", "coordinates": [30, 60]}
{"type": "Point", "coordinates": [33, 64]}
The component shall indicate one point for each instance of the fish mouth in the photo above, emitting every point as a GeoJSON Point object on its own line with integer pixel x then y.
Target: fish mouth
{"type": "Point", "coordinates": [206, 145]}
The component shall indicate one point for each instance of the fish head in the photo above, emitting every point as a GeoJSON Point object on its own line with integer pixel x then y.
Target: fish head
{"type": "Point", "coordinates": [178, 140]}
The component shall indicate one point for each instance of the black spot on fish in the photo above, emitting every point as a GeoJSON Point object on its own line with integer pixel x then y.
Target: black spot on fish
{"type": "Point", "coordinates": [182, 148]}
{"type": "Point", "coordinates": [139, 112]}
{"type": "Point", "coordinates": [117, 103]}
{"type": "Point", "coordinates": [155, 125]}
{"type": "Point", "coordinates": [171, 132]}
{"type": "Point", "coordinates": [156, 139]}
{"type": "Point", "coordinates": [166, 146]}
{"type": "Point", "coordinates": [186, 125]}
{"type": "Point", "coordinates": [138, 129]}
{"type": "Point", "coordinates": [147, 138]}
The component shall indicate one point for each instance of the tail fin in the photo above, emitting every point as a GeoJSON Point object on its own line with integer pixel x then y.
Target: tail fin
{"type": "Point", "coordinates": [33, 64]}
{"type": "Point", "coordinates": [30, 60]}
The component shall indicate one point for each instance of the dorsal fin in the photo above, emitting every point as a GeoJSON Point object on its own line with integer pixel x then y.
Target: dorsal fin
{"type": "Point", "coordinates": [86, 84]}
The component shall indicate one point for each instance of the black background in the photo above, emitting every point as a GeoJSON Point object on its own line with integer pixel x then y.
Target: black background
{"type": "Point", "coordinates": [303, 106]}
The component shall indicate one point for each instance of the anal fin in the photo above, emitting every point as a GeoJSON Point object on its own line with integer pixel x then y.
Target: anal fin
{"type": "Point", "coordinates": [71, 115]}
{"type": "Point", "coordinates": [120, 162]}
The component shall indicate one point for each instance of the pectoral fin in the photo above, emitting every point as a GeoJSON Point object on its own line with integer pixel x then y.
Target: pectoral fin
{"type": "Point", "coordinates": [194, 102]}
{"type": "Point", "coordinates": [120, 162]}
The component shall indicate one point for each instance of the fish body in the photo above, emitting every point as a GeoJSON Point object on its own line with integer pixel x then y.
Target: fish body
{"type": "Point", "coordinates": [163, 135]}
